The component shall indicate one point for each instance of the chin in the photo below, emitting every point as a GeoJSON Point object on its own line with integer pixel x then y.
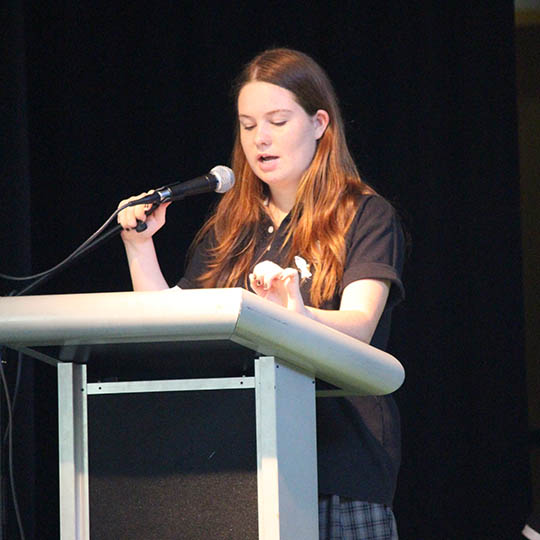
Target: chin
{"type": "Point", "coordinates": [271, 180]}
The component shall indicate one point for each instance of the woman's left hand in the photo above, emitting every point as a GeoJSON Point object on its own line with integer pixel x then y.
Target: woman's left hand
{"type": "Point", "coordinates": [279, 285]}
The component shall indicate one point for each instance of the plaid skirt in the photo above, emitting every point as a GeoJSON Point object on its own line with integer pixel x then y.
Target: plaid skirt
{"type": "Point", "coordinates": [345, 519]}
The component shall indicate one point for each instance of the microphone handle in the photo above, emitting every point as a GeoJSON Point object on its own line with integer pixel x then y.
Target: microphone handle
{"type": "Point", "coordinates": [199, 185]}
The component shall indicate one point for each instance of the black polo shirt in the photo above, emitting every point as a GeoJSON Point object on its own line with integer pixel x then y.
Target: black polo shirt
{"type": "Point", "coordinates": [357, 438]}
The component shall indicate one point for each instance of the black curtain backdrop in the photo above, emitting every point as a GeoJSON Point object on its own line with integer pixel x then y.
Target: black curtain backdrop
{"type": "Point", "coordinates": [104, 100]}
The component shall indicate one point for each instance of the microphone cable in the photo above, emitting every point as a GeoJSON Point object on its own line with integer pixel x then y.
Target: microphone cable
{"type": "Point", "coordinates": [222, 176]}
{"type": "Point", "coordinates": [88, 245]}
{"type": "Point", "coordinates": [11, 402]}
{"type": "Point", "coordinates": [81, 249]}
{"type": "Point", "coordinates": [9, 434]}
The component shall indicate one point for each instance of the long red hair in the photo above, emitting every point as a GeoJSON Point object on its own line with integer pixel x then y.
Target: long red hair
{"type": "Point", "coordinates": [327, 195]}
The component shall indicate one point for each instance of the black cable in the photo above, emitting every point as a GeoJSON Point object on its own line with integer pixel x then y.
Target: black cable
{"type": "Point", "coordinates": [89, 245]}
{"type": "Point", "coordinates": [15, 391]}
{"type": "Point", "coordinates": [10, 447]}
{"type": "Point", "coordinates": [75, 256]}
{"type": "Point", "coordinates": [86, 247]}
{"type": "Point", "coordinates": [17, 384]}
{"type": "Point", "coordinates": [81, 249]}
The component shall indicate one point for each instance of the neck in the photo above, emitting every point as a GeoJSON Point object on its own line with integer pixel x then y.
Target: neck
{"type": "Point", "coordinates": [280, 204]}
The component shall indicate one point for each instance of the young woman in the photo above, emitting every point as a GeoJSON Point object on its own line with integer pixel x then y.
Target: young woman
{"type": "Point", "coordinates": [302, 229]}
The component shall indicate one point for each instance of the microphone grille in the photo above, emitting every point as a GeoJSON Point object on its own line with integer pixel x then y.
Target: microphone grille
{"type": "Point", "coordinates": [225, 178]}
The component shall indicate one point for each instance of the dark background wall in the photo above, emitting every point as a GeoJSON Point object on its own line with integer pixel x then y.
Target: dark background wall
{"type": "Point", "coordinates": [106, 100]}
{"type": "Point", "coordinates": [528, 99]}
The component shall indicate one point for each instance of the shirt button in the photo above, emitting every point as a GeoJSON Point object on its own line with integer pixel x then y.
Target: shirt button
{"type": "Point", "coordinates": [270, 229]}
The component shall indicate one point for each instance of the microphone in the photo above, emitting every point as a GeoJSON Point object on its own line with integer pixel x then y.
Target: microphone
{"type": "Point", "coordinates": [220, 179]}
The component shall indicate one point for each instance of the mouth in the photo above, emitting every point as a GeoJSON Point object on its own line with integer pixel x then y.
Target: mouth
{"type": "Point", "coordinates": [265, 158]}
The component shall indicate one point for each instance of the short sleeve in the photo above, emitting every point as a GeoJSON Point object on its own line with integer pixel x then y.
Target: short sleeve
{"type": "Point", "coordinates": [197, 264]}
{"type": "Point", "coordinates": [375, 247]}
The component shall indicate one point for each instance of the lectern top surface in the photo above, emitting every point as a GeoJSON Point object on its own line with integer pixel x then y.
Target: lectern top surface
{"type": "Point", "coordinates": [200, 315]}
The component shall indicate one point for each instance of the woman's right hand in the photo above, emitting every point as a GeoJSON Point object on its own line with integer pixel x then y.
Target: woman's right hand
{"type": "Point", "coordinates": [128, 217]}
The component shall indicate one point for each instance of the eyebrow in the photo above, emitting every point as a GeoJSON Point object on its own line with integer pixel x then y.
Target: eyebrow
{"type": "Point", "coordinates": [269, 113]}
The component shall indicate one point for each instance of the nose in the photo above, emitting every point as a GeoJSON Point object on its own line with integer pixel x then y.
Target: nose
{"type": "Point", "coordinates": [262, 135]}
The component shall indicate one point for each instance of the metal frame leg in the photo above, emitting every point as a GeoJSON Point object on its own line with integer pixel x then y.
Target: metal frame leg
{"type": "Point", "coordinates": [73, 452]}
{"type": "Point", "coordinates": [286, 452]}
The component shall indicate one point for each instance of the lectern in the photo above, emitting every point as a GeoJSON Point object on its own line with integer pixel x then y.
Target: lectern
{"type": "Point", "coordinates": [292, 352]}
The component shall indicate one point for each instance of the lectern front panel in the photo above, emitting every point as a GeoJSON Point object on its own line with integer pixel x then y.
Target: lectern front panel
{"type": "Point", "coordinates": [173, 465]}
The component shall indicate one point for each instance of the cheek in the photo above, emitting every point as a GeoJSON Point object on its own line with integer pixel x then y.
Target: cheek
{"type": "Point", "coordinates": [307, 147]}
{"type": "Point", "coordinates": [304, 141]}
{"type": "Point", "coordinates": [244, 145]}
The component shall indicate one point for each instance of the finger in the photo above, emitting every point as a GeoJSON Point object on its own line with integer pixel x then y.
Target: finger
{"type": "Point", "coordinates": [140, 210]}
{"type": "Point", "coordinates": [255, 282]}
{"type": "Point", "coordinates": [265, 273]}
{"type": "Point", "coordinates": [265, 266]}
{"type": "Point", "coordinates": [266, 279]}
{"type": "Point", "coordinates": [128, 217]}
{"type": "Point", "coordinates": [289, 274]}
{"type": "Point", "coordinates": [269, 280]}
{"type": "Point", "coordinates": [257, 289]}
{"type": "Point", "coordinates": [121, 216]}
{"type": "Point", "coordinates": [132, 217]}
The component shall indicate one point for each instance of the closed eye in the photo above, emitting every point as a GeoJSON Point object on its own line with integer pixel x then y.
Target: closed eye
{"type": "Point", "coordinates": [247, 128]}
{"type": "Point", "coordinates": [282, 123]}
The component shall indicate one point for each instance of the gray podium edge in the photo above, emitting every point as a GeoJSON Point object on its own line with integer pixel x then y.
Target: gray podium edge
{"type": "Point", "coordinates": [293, 352]}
